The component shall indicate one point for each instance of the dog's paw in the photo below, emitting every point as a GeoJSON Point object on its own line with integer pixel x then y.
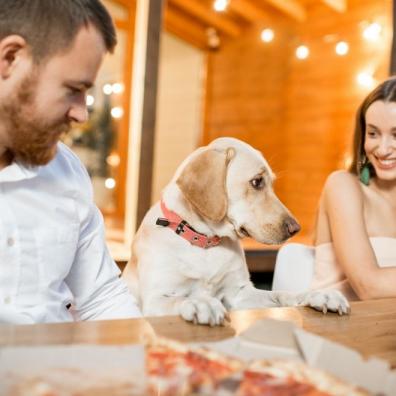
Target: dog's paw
{"type": "Point", "coordinates": [327, 300]}
{"type": "Point", "coordinates": [204, 310]}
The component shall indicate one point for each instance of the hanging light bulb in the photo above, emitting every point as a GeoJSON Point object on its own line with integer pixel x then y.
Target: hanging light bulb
{"type": "Point", "coordinates": [117, 88]}
{"type": "Point", "coordinates": [89, 100]}
{"type": "Point", "coordinates": [342, 48]}
{"type": "Point", "coordinates": [117, 112]}
{"type": "Point", "coordinates": [267, 35]}
{"type": "Point", "coordinates": [110, 183]}
{"type": "Point", "coordinates": [220, 5]}
{"type": "Point", "coordinates": [302, 52]}
{"type": "Point", "coordinates": [372, 32]}
{"type": "Point", "coordinates": [107, 89]}
{"type": "Point", "coordinates": [365, 80]}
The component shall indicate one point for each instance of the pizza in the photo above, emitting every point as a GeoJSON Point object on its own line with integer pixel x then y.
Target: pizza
{"type": "Point", "coordinates": [175, 369]}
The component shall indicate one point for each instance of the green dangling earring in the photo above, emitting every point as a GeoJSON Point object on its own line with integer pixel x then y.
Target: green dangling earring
{"type": "Point", "coordinates": [365, 174]}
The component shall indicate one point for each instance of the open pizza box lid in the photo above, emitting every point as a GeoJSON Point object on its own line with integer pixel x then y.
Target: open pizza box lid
{"type": "Point", "coordinates": [269, 338]}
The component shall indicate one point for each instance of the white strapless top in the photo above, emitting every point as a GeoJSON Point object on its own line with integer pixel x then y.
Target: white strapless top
{"type": "Point", "coordinates": [328, 273]}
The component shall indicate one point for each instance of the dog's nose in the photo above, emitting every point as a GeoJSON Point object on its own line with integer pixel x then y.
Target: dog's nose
{"type": "Point", "coordinates": [291, 225]}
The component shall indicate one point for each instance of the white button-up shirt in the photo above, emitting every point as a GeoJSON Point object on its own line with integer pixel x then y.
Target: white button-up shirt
{"type": "Point", "coordinates": [52, 247]}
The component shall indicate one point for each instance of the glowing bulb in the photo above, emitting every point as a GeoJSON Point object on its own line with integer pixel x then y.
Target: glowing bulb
{"type": "Point", "coordinates": [107, 89]}
{"type": "Point", "coordinates": [342, 48]}
{"type": "Point", "coordinates": [117, 112]}
{"type": "Point", "coordinates": [113, 160]}
{"type": "Point", "coordinates": [90, 100]}
{"type": "Point", "coordinates": [372, 32]}
{"type": "Point", "coordinates": [220, 5]}
{"type": "Point", "coordinates": [267, 35]}
{"type": "Point", "coordinates": [302, 52]}
{"type": "Point", "coordinates": [365, 80]}
{"type": "Point", "coordinates": [117, 88]}
{"type": "Point", "coordinates": [110, 183]}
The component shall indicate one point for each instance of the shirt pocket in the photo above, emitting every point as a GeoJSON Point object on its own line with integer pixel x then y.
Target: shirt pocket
{"type": "Point", "coordinates": [57, 249]}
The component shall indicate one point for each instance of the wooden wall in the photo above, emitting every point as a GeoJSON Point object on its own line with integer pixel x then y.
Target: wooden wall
{"type": "Point", "coordinates": [299, 113]}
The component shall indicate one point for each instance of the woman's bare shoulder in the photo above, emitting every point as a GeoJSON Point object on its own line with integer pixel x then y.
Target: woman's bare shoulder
{"type": "Point", "coordinates": [343, 186]}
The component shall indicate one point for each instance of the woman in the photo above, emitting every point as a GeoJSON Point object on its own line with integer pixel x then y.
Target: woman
{"type": "Point", "coordinates": [356, 230]}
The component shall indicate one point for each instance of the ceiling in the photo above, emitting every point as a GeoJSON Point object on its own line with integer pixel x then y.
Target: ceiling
{"type": "Point", "coordinates": [197, 22]}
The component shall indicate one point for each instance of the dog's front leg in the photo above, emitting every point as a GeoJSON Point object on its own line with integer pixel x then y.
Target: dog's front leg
{"type": "Point", "coordinates": [322, 300]}
{"type": "Point", "coordinates": [199, 308]}
{"type": "Point", "coordinates": [202, 308]}
{"type": "Point", "coordinates": [246, 296]}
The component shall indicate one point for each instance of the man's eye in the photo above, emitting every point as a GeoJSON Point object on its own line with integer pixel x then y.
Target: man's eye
{"type": "Point", "coordinates": [75, 91]}
{"type": "Point", "coordinates": [257, 183]}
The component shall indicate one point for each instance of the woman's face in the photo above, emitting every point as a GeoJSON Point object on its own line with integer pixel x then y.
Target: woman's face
{"type": "Point", "coordinates": [380, 139]}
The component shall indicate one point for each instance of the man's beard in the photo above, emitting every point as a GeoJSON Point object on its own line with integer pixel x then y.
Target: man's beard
{"type": "Point", "coordinates": [32, 140]}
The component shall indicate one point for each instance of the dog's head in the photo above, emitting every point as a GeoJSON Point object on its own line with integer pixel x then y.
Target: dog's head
{"type": "Point", "coordinates": [231, 181]}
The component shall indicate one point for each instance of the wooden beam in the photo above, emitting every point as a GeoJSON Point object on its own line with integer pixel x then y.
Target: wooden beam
{"type": "Point", "coordinates": [143, 113]}
{"type": "Point", "coordinates": [248, 10]}
{"type": "Point", "coordinates": [208, 17]}
{"type": "Point", "coordinates": [190, 31]}
{"type": "Point", "coordinates": [291, 8]}
{"type": "Point", "coordinates": [337, 5]}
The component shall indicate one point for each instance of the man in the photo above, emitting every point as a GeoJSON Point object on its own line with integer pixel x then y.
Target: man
{"type": "Point", "coordinates": [52, 247]}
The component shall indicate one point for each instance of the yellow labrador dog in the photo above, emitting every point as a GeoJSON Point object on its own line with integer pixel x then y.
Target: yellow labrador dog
{"type": "Point", "coordinates": [187, 258]}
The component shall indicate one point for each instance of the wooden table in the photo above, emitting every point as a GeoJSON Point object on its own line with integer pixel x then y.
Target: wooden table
{"type": "Point", "coordinates": [370, 329]}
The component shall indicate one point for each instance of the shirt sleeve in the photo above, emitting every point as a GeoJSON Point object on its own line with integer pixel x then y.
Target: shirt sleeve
{"type": "Point", "coordinates": [98, 291]}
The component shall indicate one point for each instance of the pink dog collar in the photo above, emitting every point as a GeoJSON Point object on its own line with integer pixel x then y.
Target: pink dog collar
{"type": "Point", "coordinates": [182, 228]}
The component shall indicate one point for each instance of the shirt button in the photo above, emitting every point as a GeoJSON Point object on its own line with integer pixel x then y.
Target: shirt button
{"type": "Point", "coordinates": [10, 241]}
{"type": "Point", "coordinates": [7, 300]}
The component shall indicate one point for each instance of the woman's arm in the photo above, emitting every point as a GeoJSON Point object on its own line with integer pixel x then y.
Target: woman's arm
{"type": "Point", "coordinates": [344, 207]}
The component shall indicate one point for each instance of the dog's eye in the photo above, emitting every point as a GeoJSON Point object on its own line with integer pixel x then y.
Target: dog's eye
{"type": "Point", "coordinates": [257, 183]}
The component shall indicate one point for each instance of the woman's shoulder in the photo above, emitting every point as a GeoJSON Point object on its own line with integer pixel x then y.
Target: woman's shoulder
{"type": "Point", "coordinates": [343, 185]}
{"type": "Point", "coordinates": [342, 177]}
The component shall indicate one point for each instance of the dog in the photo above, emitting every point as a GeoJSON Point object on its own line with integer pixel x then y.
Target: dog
{"type": "Point", "coordinates": [187, 258]}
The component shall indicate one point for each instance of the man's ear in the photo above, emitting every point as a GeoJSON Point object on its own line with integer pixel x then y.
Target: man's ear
{"type": "Point", "coordinates": [202, 183]}
{"type": "Point", "coordinates": [11, 50]}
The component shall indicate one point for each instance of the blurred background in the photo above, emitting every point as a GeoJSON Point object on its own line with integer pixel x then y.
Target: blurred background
{"type": "Point", "coordinates": [286, 76]}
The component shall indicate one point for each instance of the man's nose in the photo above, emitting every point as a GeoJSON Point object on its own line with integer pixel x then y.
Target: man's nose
{"type": "Point", "coordinates": [78, 112]}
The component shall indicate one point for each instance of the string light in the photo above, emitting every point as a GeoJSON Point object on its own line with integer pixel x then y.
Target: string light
{"type": "Point", "coordinates": [110, 183]}
{"type": "Point", "coordinates": [302, 52]}
{"type": "Point", "coordinates": [107, 89]}
{"type": "Point", "coordinates": [117, 88]}
{"type": "Point", "coordinates": [342, 48]}
{"type": "Point", "coordinates": [117, 112]}
{"type": "Point", "coordinates": [372, 32]}
{"type": "Point", "coordinates": [90, 100]}
{"type": "Point", "coordinates": [365, 80]}
{"type": "Point", "coordinates": [220, 5]}
{"type": "Point", "coordinates": [113, 159]}
{"type": "Point", "coordinates": [267, 35]}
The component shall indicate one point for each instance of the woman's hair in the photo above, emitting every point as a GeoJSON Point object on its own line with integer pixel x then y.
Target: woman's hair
{"type": "Point", "coordinates": [385, 92]}
{"type": "Point", "coordinates": [50, 26]}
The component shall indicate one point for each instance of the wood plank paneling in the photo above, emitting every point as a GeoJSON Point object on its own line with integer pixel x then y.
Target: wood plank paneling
{"type": "Point", "coordinates": [299, 113]}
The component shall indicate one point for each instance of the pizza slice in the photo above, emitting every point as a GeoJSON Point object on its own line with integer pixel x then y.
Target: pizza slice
{"type": "Point", "coordinates": [288, 377]}
{"type": "Point", "coordinates": [176, 369]}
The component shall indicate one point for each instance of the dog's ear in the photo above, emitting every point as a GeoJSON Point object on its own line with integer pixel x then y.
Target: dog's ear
{"type": "Point", "coordinates": [202, 182]}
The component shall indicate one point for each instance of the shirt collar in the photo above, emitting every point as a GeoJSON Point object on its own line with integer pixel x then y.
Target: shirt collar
{"type": "Point", "coordinates": [16, 171]}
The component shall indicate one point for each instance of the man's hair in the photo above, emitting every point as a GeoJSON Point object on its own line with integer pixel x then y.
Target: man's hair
{"type": "Point", "coordinates": [50, 26]}
{"type": "Point", "coordinates": [385, 92]}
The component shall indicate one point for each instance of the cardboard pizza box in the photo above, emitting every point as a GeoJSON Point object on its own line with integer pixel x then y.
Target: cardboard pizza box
{"type": "Point", "coordinates": [265, 339]}
{"type": "Point", "coordinates": [269, 338]}
{"type": "Point", "coordinates": [80, 365]}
